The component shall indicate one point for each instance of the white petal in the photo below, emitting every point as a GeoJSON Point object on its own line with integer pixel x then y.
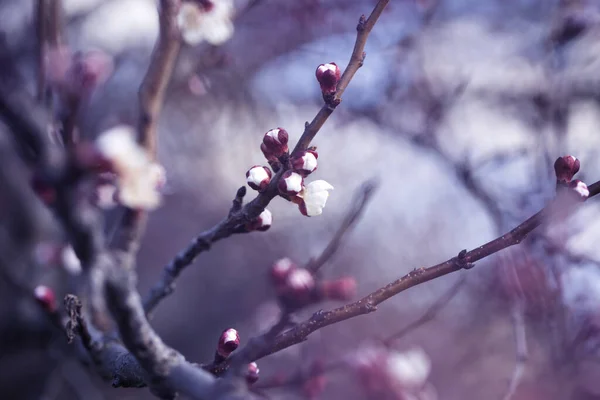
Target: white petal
{"type": "Point", "coordinates": [293, 183]}
{"type": "Point", "coordinates": [256, 175]}
{"type": "Point", "coordinates": [266, 218]}
{"type": "Point", "coordinates": [318, 185]}
{"type": "Point", "coordinates": [309, 162]}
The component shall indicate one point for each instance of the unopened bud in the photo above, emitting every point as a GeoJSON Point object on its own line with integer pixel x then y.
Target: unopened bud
{"type": "Point", "coordinates": [565, 168]}
{"type": "Point", "coordinates": [305, 162]}
{"type": "Point", "coordinates": [328, 76]}
{"type": "Point", "coordinates": [281, 269]}
{"type": "Point", "coordinates": [45, 297]}
{"type": "Point", "coordinates": [262, 222]}
{"type": "Point", "coordinates": [342, 289]}
{"type": "Point", "coordinates": [258, 177]}
{"type": "Point", "coordinates": [252, 373]}
{"type": "Point", "coordinates": [298, 289]}
{"type": "Point", "coordinates": [580, 188]}
{"type": "Point", "coordinates": [291, 183]}
{"type": "Point", "coordinates": [228, 342]}
{"type": "Point", "coordinates": [274, 143]}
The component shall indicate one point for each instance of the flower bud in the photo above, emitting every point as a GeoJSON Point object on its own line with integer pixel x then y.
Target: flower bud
{"type": "Point", "coordinates": [298, 289]}
{"type": "Point", "coordinates": [252, 373]}
{"type": "Point", "coordinates": [328, 76]}
{"type": "Point", "coordinates": [291, 183]}
{"type": "Point", "coordinates": [274, 143]}
{"type": "Point", "coordinates": [228, 342]}
{"type": "Point", "coordinates": [342, 289]}
{"type": "Point", "coordinates": [579, 188]}
{"type": "Point", "coordinates": [565, 168]}
{"type": "Point", "coordinates": [262, 222]}
{"type": "Point", "coordinates": [258, 177]}
{"type": "Point", "coordinates": [45, 297]}
{"type": "Point", "coordinates": [305, 162]}
{"type": "Point", "coordinates": [281, 269]}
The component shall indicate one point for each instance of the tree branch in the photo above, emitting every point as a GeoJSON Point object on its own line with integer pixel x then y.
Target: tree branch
{"type": "Point", "coordinates": [368, 304]}
{"type": "Point", "coordinates": [359, 203]}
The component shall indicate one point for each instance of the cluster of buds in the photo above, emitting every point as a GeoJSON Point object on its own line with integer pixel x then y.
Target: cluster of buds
{"type": "Point", "coordinates": [328, 76]}
{"type": "Point", "coordinates": [386, 373]}
{"type": "Point", "coordinates": [229, 341]}
{"type": "Point", "coordinates": [565, 168]}
{"type": "Point", "coordinates": [262, 223]}
{"type": "Point", "coordinates": [45, 298]}
{"type": "Point", "coordinates": [297, 287]}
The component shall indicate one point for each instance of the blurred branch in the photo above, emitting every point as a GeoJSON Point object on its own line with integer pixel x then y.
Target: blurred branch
{"type": "Point", "coordinates": [252, 210]}
{"type": "Point", "coordinates": [151, 98]}
{"type": "Point", "coordinates": [520, 349]}
{"type": "Point", "coordinates": [359, 203]}
{"type": "Point", "coordinates": [430, 314]}
{"type": "Point", "coordinates": [368, 304]}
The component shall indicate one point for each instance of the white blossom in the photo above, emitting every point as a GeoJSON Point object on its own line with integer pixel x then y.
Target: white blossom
{"type": "Point", "coordinates": [213, 25]}
{"type": "Point", "coordinates": [137, 177]}
{"type": "Point", "coordinates": [410, 368]}
{"type": "Point", "coordinates": [314, 196]}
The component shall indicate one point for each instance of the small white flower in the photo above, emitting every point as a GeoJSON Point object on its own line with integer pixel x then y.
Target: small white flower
{"type": "Point", "coordinates": [213, 25]}
{"type": "Point", "coordinates": [138, 177]}
{"type": "Point", "coordinates": [410, 369]}
{"type": "Point", "coordinates": [314, 196]}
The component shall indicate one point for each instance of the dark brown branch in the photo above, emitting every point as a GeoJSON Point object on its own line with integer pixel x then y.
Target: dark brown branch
{"type": "Point", "coordinates": [359, 203]}
{"type": "Point", "coordinates": [365, 25]}
{"type": "Point", "coordinates": [368, 304]}
{"type": "Point", "coordinates": [430, 314]}
{"type": "Point", "coordinates": [252, 210]}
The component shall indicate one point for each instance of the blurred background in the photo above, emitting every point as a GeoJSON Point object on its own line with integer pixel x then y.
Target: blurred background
{"type": "Point", "coordinates": [460, 109]}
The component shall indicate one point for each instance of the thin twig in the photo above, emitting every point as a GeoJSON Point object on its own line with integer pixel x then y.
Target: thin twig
{"type": "Point", "coordinates": [430, 314]}
{"type": "Point", "coordinates": [151, 98]}
{"type": "Point", "coordinates": [359, 203]}
{"type": "Point", "coordinates": [365, 25]}
{"type": "Point", "coordinates": [521, 351]}
{"type": "Point", "coordinates": [368, 304]}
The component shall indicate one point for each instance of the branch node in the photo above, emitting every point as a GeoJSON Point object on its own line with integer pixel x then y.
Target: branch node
{"type": "Point", "coordinates": [461, 260]}
{"type": "Point", "coordinates": [361, 23]}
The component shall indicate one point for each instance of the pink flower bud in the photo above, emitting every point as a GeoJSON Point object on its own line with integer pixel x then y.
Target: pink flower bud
{"type": "Point", "coordinates": [228, 342]}
{"type": "Point", "coordinates": [262, 223]}
{"type": "Point", "coordinates": [274, 143]}
{"type": "Point", "coordinates": [281, 269]}
{"type": "Point", "coordinates": [579, 188]}
{"type": "Point", "coordinates": [291, 183]}
{"type": "Point", "coordinates": [45, 297]}
{"type": "Point", "coordinates": [305, 162]}
{"type": "Point", "coordinates": [328, 76]}
{"type": "Point", "coordinates": [565, 167]}
{"type": "Point", "coordinates": [298, 290]}
{"type": "Point", "coordinates": [258, 177]}
{"type": "Point", "coordinates": [252, 373]}
{"type": "Point", "coordinates": [342, 289]}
